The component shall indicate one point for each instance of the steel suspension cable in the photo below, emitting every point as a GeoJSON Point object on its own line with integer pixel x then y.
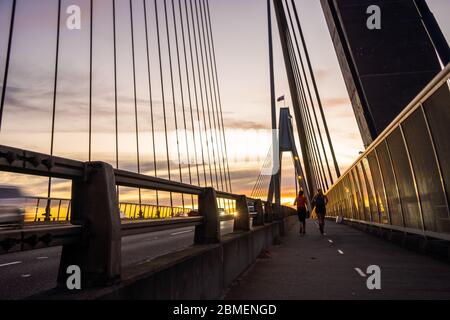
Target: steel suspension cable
{"type": "Point", "coordinates": [90, 78]}
{"type": "Point", "coordinates": [7, 62]}
{"type": "Point", "coordinates": [217, 112]}
{"type": "Point", "coordinates": [182, 95]}
{"type": "Point", "coordinates": [210, 139]}
{"type": "Point", "coordinates": [173, 95]}
{"type": "Point", "coordinates": [189, 90]}
{"type": "Point", "coordinates": [218, 94]}
{"type": "Point", "coordinates": [201, 93]}
{"type": "Point", "coordinates": [150, 91]}
{"type": "Point", "coordinates": [312, 133]}
{"type": "Point", "coordinates": [195, 92]}
{"type": "Point", "coordinates": [55, 88]}
{"type": "Point", "coordinates": [305, 118]}
{"type": "Point", "coordinates": [211, 91]}
{"type": "Point", "coordinates": [316, 90]}
{"type": "Point", "coordinates": [303, 98]}
{"type": "Point", "coordinates": [163, 95]}
{"type": "Point", "coordinates": [135, 103]}
{"type": "Point", "coordinates": [309, 93]}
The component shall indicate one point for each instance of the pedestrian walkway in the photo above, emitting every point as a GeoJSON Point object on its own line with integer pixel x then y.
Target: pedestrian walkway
{"type": "Point", "coordinates": [334, 266]}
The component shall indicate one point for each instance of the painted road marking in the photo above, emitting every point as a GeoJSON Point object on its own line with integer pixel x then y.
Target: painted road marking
{"type": "Point", "coordinates": [42, 258]}
{"type": "Point", "coordinates": [181, 232]}
{"type": "Point", "coordinates": [330, 241]}
{"type": "Point", "coordinates": [362, 274]}
{"type": "Point", "coordinates": [26, 275]}
{"type": "Point", "coordinates": [10, 263]}
{"type": "Point", "coordinates": [341, 252]}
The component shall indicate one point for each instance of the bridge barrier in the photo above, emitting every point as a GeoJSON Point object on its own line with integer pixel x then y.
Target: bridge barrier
{"type": "Point", "coordinates": [401, 184]}
{"type": "Point", "coordinates": [92, 238]}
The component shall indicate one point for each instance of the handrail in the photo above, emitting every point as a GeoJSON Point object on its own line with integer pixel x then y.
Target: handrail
{"type": "Point", "coordinates": [134, 227]}
{"type": "Point", "coordinates": [92, 238]}
{"type": "Point", "coordinates": [366, 198]}
{"type": "Point", "coordinates": [435, 84]}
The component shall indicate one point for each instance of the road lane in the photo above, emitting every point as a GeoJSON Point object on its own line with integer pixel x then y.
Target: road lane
{"type": "Point", "coordinates": [37, 270]}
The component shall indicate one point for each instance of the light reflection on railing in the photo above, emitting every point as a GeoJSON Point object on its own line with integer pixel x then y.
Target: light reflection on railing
{"type": "Point", "coordinates": [59, 210]}
{"type": "Point", "coordinates": [40, 209]}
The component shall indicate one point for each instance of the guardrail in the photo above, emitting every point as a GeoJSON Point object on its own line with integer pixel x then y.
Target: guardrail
{"type": "Point", "coordinates": [92, 238]}
{"type": "Point", "coordinates": [402, 181]}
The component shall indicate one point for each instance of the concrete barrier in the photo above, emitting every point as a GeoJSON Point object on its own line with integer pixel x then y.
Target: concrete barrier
{"type": "Point", "coordinates": [197, 273]}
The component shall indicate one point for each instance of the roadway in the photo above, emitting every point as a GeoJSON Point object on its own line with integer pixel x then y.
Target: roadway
{"type": "Point", "coordinates": [23, 274]}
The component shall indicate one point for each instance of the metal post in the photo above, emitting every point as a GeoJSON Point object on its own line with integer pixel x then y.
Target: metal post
{"type": "Point", "coordinates": [275, 182]}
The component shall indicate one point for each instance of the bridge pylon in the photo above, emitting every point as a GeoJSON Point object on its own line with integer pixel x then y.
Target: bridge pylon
{"type": "Point", "coordinates": [286, 143]}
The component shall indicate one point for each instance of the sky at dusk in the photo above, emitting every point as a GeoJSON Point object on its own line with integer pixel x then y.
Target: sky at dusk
{"type": "Point", "coordinates": [241, 40]}
{"type": "Point", "coordinates": [241, 47]}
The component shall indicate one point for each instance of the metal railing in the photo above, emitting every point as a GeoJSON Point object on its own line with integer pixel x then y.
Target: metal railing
{"type": "Point", "coordinates": [91, 237]}
{"type": "Point", "coordinates": [402, 181]}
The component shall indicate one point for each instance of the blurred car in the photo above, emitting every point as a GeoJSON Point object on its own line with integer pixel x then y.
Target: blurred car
{"type": "Point", "coordinates": [181, 215]}
{"type": "Point", "coordinates": [12, 202]}
{"type": "Point", "coordinates": [194, 213]}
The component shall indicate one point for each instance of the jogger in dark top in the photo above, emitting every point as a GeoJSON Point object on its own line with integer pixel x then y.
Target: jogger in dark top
{"type": "Point", "coordinates": [320, 202]}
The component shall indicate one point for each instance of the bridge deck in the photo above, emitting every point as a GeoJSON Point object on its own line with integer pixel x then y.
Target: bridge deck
{"type": "Point", "coordinates": [311, 267]}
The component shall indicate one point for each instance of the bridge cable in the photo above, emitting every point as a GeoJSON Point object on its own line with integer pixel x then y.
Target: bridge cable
{"type": "Point", "coordinates": [135, 106]}
{"type": "Point", "coordinates": [182, 96]}
{"type": "Point", "coordinates": [189, 95]}
{"type": "Point", "coordinates": [316, 90]}
{"type": "Point", "coordinates": [306, 120]}
{"type": "Point", "coordinates": [210, 137]}
{"type": "Point", "coordinates": [195, 93]}
{"type": "Point", "coordinates": [7, 62]}
{"type": "Point", "coordinates": [55, 87]}
{"type": "Point", "coordinates": [218, 114]}
{"type": "Point", "coordinates": [173, 96]}
{"type": "Point", "coordinates": [304, 101]}
{"type": "Point", "coordinates": [90, 78]}
{"type": "Point", "coordinates": [255, 187]}
{"type": "Point", "coordinates": [211, 91]}
{"type": "Point", "coordinates": [261, 191]}
{"type": "Point", "coordinates": [163, 95]}
{"type": "Point", "coordinates": [201, 94]}
{"type": "Point", "coordinates": [309, 124]}
{"type": "Point", "coordinates": [150, 97]}
{"type": "Point", "coordinates": [257, 179]}
{"type": "Point", "coordinates": [218, 94]}
{"type": "Point", "coordinates": [219, 105]}
{"type": "Point", "coordinates": [309, 93]}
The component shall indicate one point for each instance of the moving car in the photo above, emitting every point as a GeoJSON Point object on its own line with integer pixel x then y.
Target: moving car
{"type": "Point", "coordinates": [12, 209]}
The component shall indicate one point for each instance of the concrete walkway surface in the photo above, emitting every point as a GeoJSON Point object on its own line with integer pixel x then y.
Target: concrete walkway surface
{"type": "Point", "coordinates": [334, 266]}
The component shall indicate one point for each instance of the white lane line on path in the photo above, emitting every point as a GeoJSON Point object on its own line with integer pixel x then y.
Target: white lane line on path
{"type": "Point", "coordinates": [181, 232]}
{"type": "Point", "coordinates": [26, 275]}
{"type": "Point", "coordinates": [341, 252]}
{"type": "Point", "coordinates": [362, 274]}
{"type": "Point", "coordinates": [42, 258]}
{"type": "Point", "coordinates": [330, 241]}
{"type": "Point", "coordinates": [10, 263]}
